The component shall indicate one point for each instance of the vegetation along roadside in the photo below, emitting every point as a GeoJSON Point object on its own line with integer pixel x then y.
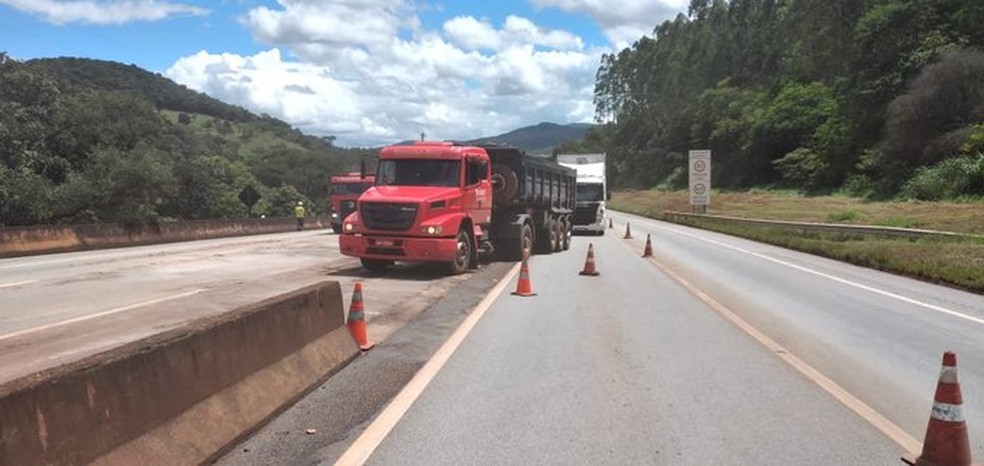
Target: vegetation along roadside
{"type": "Point", "coordinates": [955, 261]}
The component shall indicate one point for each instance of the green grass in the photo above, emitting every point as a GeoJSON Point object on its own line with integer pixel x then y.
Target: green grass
{"type": "Point", "coordinates": [957, 261]}
{"type": "Point", "coordinates": [844, 217]}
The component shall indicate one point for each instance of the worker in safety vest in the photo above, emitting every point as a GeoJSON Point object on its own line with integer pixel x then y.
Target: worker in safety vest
{"type": "Point", "coordinates": [299, 213]}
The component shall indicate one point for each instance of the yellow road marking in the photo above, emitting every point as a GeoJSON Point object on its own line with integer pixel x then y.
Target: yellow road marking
{"type": "Point", "coordinates": [883, 424]}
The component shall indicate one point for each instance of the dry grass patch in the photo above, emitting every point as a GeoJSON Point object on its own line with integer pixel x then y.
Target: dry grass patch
{"type": "Point", "coordinates": [771, 205]}
{"type": "Point", "coordinates": [954, 261]}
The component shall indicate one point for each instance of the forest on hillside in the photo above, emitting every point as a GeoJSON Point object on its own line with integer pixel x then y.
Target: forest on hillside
{"type": "Point", "coordinates": [85, 141]}
{"type": "Point", "coordinates": [878, 98]}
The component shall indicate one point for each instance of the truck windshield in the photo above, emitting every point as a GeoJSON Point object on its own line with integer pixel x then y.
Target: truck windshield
{"type": "Point", "coordinates": [590, 192]}
{"type": "Point", "coordinates": [349, 188]}
{"type": "Point", "coordinates": [419, 172]}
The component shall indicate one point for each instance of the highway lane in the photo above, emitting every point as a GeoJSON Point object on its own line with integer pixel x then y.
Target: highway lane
{"type": "Point", "coordinates": [878, 335]}
{"type": "Point", "coordinates": [625, 368]}
{"type": "Point", "coordinates": [58, 308]}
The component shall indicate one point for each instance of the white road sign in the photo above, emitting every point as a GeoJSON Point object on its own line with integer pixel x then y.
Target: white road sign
{"type": "Point", "coordinates": [700, 177]}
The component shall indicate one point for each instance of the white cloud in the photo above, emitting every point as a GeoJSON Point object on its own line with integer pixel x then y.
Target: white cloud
{"type": "Point", "coordinates": [103, 12]}
{"type": "Point", "coordinates": [625, 23]}
{"type": "Point", "coordinates": [355, 23]}
{"type": "Point", "coordinates": [472, 34]}
{"type": "Point", "coordinates": [366, 72]}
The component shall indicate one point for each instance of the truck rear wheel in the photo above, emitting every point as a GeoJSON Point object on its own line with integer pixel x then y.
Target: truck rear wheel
{"type": "Point", "coordinates": [555, 239]}
{"type": "Point", "coordinates": [544, 238]}
{"type": "Point", "coordinates": [565, 231]}
{"type": "Point", "coordinates": [463, 254]}
{"type": "Point", "coordinates": [522, 247]}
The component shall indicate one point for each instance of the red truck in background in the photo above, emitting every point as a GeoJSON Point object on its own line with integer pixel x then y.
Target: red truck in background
{"type": "Point", "coordinates": [344, 191]}
{"type": "Point", "coordinates": [450, 203]}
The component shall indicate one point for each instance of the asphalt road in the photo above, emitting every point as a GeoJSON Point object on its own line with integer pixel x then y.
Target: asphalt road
{"type": "Point", "coordinates": [879, 335]}
{"type": "Point", "coordinates": [632, 366]}
{"type": "Point", "coordinates": [59, 308]}
{"type": "Point", "coordinates": [624, 368]}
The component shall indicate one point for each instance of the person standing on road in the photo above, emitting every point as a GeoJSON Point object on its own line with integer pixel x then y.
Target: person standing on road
{"type": "Point", "coordinates": [299, 214]}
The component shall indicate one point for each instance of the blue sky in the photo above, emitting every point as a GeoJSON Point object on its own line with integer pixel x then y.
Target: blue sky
{"type": "Point", "coordinates": [367, 71]}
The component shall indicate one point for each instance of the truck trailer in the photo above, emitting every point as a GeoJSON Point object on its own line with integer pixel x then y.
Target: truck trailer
{"type": "Point", "coordinates": [452, 203]}
{"type": "Point", "coordinates": [592, 190]}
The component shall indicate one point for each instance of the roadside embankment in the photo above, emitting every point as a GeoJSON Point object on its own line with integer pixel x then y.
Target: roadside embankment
{"type": "Point", "coordinates": [182, 396]}
{"type": "Point", "coordinates": [23, 241]}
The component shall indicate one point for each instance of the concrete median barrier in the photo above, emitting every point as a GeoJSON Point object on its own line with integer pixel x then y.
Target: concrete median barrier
{"type": "Point", "coordinates": [23, 241]}
{"type": "Point", "coordinates": [182, 396]}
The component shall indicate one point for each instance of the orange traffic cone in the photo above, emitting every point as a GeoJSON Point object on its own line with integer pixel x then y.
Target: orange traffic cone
{"type": "Point", "coordinates": [648, 252]}
{"type": "Point", "coordinates": [524, 287]}
{"type": "Point", "coordinates": [628, 231]}
{"type": "Point", "coordinates": [589, 263]}
{"type": "Point", "coordinates": [947, 442]}
{"type": "Point", "coordinates": [610, 223]}
{"type": "Point", "coordinates": [357, 319]}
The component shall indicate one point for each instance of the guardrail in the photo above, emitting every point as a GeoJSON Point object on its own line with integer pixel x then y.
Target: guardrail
{"type": "Point", "coordinates": [824, 227]}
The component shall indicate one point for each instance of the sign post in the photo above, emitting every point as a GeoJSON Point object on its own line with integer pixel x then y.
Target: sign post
{"type": "Point", "coordinates": [248, 196]}
{"type": "Point", "coordinates": [700, 180]}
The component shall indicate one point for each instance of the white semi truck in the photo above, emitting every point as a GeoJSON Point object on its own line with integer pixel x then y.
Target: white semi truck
{"type": "Point", "coordinates": [592, 190]}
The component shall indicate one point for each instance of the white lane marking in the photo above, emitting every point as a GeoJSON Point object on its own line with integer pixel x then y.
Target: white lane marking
{"type": "Point", "coordinates": [364, 446]}
{"type": "Point", "coordinates": [8, 285]}
{"type": "Point", "coordinates": [25, 264]}
{"type": "Point", "coordinates": [100, 314]}
{"type": "Point", "coordinates": [887, 427]}
{"type": "Point", "coordinates": [844, 281]}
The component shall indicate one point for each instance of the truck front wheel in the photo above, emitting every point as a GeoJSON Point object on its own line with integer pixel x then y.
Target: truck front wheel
{"type": "Point", "coordinates": [462, 255]}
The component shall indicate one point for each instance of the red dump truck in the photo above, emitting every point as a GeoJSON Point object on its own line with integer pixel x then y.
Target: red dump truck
{"type": "Point", "coordinates": [344, 191]}
{"type": "Point", "coordinates": [451, 203]}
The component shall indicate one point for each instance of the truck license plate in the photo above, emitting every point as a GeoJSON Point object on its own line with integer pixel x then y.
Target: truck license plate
{"type": "Point", "coordinates": [385, 243]}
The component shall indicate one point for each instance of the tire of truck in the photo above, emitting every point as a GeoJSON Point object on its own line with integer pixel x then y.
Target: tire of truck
{"type": "Point", "coordinates": [376, 265]}
{"type": "Point", "coordinates": [567, 229]}
{"type": "Point", "coordinates": [555, 241]}
{"type": "Point", "coordinates": [505, 183]}
{"type": "Point", "coordinates": [559, 231]}
{"type": "Point", "coordinates": [463, 255]}
{"type": "Point", "coordinates": [543, 239]}
{"type": "Point", "coordinates": [337, 229]}
{"type": "Point", "coordinates": [513, 250]}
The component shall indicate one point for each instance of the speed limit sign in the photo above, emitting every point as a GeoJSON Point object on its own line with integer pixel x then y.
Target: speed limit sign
{"type": "Point", "coordinates": [700, 177]}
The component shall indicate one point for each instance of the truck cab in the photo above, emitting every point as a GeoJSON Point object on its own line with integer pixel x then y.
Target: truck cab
{"type": "Point", "coordinates": [343, 195]}
{"type": "Point", "coordinates": [449, 203]}
{"type": "Point", "coordinates": [432, 201]}
{"type": "Point", "coordinates": [592, 191]}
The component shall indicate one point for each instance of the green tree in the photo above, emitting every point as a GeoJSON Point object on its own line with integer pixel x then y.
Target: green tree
{"type": "Point", "coordinates": [127, 187]}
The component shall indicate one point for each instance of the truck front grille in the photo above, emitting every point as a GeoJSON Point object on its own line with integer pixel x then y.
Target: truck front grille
{"type": "Point", "coordinates": [585, 215]}
{"type": "Point", "coordinates": [385, 216]}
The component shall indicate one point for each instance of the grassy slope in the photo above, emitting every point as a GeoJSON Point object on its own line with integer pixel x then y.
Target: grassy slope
{"type": "Point", "coordinates": [259, 140]}
{"type": "Point", "coordinates": [953, 262]}
{"type": "Point", "coordinates": [778, 205]}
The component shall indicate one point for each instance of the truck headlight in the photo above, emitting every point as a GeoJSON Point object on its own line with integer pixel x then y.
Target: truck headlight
{"type": "Point", "coordinates": [349, 227]}
{"type": "Point", "coordinates": [433, 230]}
